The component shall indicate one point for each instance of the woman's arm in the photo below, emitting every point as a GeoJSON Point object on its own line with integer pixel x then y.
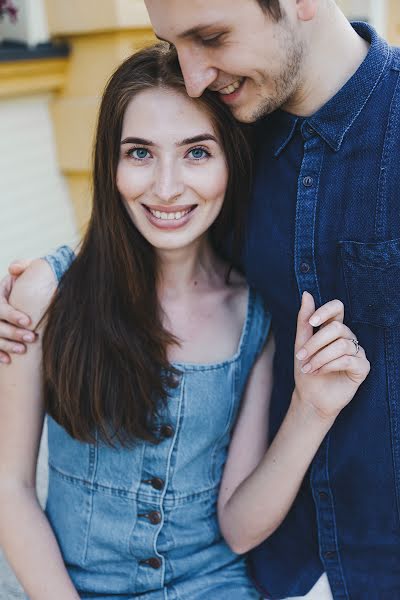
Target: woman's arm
{"type": "Point", "coordinates": [25, 534]}
{"type": "Point", "coordinates": [258, 487]}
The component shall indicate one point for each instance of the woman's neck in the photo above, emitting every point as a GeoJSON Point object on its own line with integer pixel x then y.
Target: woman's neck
{"type": "Point", "coordinates": [185, 269]}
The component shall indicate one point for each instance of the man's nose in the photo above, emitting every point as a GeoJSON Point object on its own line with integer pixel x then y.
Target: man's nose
{"type": "Point", "coordinates": [197, 74]}
{"type": "Point", "coordinates": [169, 183]}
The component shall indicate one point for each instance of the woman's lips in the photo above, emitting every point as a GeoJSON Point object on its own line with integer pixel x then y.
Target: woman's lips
{"type": "Point", "coordinates": [169, 217]}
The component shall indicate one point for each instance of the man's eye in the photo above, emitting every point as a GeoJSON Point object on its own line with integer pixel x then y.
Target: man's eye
{"type": "Point", "coordinates": [198, 153]}
{"type": "Point", "coordinates": [212, 39]}
{"type": "Point", "coordinates": [138, 153]}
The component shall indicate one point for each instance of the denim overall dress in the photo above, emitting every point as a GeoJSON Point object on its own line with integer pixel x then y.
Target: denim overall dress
{"type": "Point", "coordinates": [141, 522]}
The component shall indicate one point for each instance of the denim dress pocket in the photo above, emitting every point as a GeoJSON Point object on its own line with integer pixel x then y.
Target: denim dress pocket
{"type": "Point", "coordinates": [68, 510]}
{"type": "Point", "coordinates": [372, 277]}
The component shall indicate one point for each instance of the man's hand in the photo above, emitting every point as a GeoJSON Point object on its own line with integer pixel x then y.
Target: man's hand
{"type": "Point", "coordinates": [13, 335]}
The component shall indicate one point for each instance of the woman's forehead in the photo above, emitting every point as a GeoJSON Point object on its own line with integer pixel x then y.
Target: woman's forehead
{"type": "Point", "coordinates": [166, 110]}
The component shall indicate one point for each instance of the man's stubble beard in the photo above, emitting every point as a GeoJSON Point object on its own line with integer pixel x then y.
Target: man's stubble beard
{"type": "Point", "coordinates": [286, 83]}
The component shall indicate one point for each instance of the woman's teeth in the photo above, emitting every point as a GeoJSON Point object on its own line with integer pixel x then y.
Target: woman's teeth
{"type": "Point", "coordinates": [229, 89]}
{"type": "Point", "coordinates": [170, 216]}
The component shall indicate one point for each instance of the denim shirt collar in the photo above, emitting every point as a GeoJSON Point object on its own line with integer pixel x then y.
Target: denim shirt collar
{"type": "Point", "coordinates": [333, 120]}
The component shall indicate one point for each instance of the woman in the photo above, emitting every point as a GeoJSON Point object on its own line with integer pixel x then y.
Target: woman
{"type": "Point", "coordinates": [147, 348]}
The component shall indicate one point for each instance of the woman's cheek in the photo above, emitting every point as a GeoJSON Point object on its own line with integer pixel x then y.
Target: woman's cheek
{"type": "Point", "coordinates": [131, 183]}
{"type": "Point", "coordinates": [212, 185]}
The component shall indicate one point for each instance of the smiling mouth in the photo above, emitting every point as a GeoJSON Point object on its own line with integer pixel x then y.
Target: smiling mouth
{"type": "Point", "coordinates": [169, 213]}
{"type": "Point", "coordinates": [232, 87]}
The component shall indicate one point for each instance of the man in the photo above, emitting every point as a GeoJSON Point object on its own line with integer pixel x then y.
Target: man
{"type": "Point", "coordinates": [325, 218]}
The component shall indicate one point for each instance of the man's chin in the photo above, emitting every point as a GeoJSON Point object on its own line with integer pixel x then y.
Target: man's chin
{"type": "Point", "coordinates": [249, 114]}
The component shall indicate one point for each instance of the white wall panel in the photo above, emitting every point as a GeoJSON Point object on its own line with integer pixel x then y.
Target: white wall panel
{"type": "Point", "coordinates": [36, 214]}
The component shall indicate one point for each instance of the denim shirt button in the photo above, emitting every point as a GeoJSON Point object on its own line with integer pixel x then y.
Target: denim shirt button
{"type": "Point", "coordinates": [323, 495]}
{"type": "Point", "coordinates": [305, 267]}
{"type": "Point", "coordinates": [308, 181]}
{"type": "Point", "coordinates": [330, 554]}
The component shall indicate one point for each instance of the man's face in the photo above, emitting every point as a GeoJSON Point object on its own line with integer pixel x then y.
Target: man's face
{"type": "Point", "coordinates": [235, 49]}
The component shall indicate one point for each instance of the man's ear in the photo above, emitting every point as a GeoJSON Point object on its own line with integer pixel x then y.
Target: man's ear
{"type": "Point", "coordinates": [306, 9]}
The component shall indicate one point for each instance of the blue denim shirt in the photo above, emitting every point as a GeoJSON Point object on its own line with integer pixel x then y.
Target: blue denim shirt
{"type": "Point", "coordinates": [325, 217]}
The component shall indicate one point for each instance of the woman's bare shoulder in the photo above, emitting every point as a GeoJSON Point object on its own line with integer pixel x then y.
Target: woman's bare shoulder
{"type": "Point", "coordinates": [33, 290]}
{"type": "Point", "coordinates": [238, 293]}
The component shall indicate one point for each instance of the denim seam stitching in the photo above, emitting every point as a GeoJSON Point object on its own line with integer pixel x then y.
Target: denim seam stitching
{"type": "Point", "coordinates": [394, 427]}
{"type": "Point", "coordinates": [382, 184]}
{"type": "Point", "coordinates": [378, 79]}
{"type": "Point", "coordinates": [334, 517]}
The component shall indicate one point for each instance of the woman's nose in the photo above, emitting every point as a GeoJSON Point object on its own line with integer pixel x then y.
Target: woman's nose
{"type": "Point", "coordinates": [169, 183]}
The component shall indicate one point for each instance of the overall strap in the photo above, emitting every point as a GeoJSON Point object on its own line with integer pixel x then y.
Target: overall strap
{"type": "Point", "coordinates": [257, 329]}
{"type": "Point", "coordinates": [60, 260]}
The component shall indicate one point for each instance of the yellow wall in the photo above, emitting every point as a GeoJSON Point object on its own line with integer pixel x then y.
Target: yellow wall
{"type": "Point", "coordinates": [101, 33]}
{"type": "Point", "coordinates": [393, 34]}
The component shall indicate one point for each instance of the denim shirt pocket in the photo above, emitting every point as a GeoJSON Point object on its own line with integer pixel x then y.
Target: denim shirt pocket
{"type": "Point", "coordinates": [372, 277]}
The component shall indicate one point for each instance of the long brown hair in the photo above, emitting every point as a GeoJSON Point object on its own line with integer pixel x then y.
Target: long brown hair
{"type": "Point", "coordinates": [105, 363]}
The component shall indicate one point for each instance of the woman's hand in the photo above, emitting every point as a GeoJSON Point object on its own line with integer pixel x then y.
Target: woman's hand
{"type": "Point", "coordinates": [329, 364]}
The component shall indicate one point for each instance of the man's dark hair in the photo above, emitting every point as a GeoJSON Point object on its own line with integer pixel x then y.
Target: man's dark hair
{"type": "Point", "coordinates": [272, 7]}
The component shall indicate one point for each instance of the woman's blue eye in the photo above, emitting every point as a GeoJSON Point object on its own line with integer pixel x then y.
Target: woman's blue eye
{"type": "Point", "coordinates": [198, 153]}
{"type": "Point", "coordinates": [139, 153]}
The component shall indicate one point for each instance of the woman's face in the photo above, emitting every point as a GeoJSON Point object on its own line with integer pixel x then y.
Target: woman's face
{"type": "Point", "coordinates": [172, 172]}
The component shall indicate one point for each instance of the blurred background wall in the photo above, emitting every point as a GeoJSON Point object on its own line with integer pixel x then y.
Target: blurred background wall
{"type": "Point", "coordinates": [54, 62]}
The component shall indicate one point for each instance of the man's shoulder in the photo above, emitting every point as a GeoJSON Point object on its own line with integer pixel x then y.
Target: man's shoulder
{"type": "Point", "coordinates": [395, 58]}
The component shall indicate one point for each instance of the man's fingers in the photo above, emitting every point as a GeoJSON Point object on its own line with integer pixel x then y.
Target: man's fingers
{"type": "Point", "coordinates": [331, 311]}
{"type": "Point", "coordinates": [304, 329]}
{"type": "Point", "coordinates": [15, 334]}
{"type": "Point", "coordinates": [4, 358]}
{"type": "Point", "coordinates": [10, 347]}
{"type": "Point", "coordinates": [10, 315]}
{"type": "Point", "coordinates": [17, 267]}
{"type": "Point", "coordinates": [7, 312]}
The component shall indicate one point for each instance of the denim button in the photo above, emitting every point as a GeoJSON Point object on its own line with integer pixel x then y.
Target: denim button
{"type": "Point", "coordinates": [154, 562]}
{"type": "Point", "coordinates": [330, 554]}
{"type": "Point", "coordinates": [310, 130]}
{"type": "Point", "coordinates": [323, 495]}
{"type": "Point", "coordinates": [154, 517]}
{"type": "Point", "coordinates": [305, 267]}
{"type": "Point", "coordinates": [167, 431]}
{"type": "Point", "coordinates": [157, 483]}
{"type": "Point", "coordinates": [308, 181]}
{"type": "Point", "coordinates": [175, 380]}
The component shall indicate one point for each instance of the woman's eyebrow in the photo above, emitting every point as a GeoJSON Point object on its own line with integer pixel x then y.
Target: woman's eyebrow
{"type": "Point", "coordinates": [137, 140]}
{"type": "Point", "coordinates": [202, 137]}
